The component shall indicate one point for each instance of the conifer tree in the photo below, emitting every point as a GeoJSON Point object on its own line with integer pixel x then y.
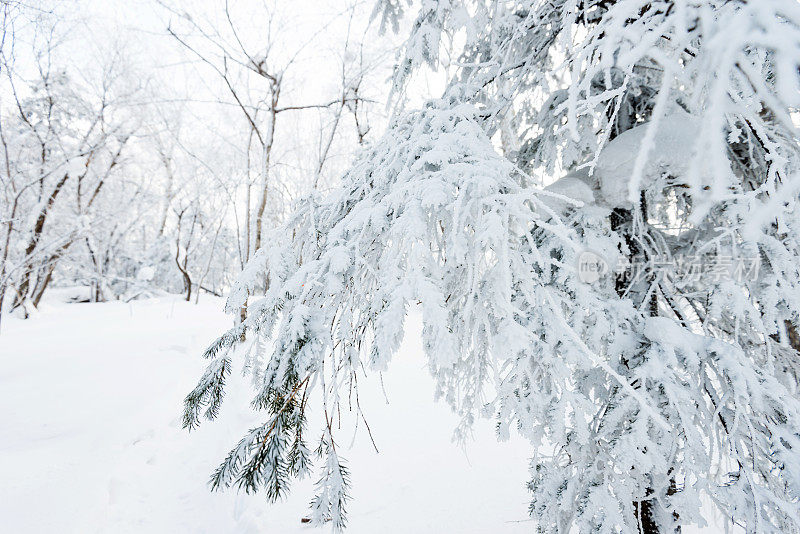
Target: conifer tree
{"type": "Point", "coordinates": [652, 139]}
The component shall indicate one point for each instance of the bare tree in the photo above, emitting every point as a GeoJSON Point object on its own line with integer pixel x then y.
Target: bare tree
{"type": "Point", "coordinates": [66, 143]}
{"type": "Point", "coordinates": [242, 64]}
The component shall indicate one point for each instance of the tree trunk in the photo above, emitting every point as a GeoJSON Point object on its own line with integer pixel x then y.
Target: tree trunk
{"type": "Point", "coordinates": [267, 153]}
{"type": "Point", "coordinates": [621, 222]}
{"type": "Point", "coordinates": [187, 280]}
{"type": "Point", "coordinates": [25, 279]}
{"type": "Point", "coordinates": [2, 298]}
{"type": "Point", "coordinates": [4, 258]}
{"type": "Point", "coordinates": [41, 285]}
{"type": "Point", "coordinates": [242, 317]}
{"type": "Point", "coordinates": [646, 517]}
{"type": "Point", "coordinates": [792, 334]}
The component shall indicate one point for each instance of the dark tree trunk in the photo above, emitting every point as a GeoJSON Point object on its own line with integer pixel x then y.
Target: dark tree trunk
{"type": "Point", "coordinates": [187, 280]}
{"type": "Point", "coordinates": [38, 229]}
{"type": "Point", "coordinates": [187, 283]}
{"type": "Point", "coordinates": [792, 334]}
{"type": "Point", "coordinates": [42, 284]}
{"type": "Point", "coordinates": [621, 221]}
{"type": "Point", "coordinates": [646, 517]}
{"type": "Point", "coordinates": [242, 317]}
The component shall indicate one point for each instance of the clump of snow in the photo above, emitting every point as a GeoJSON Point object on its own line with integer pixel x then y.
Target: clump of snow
{"type": "Point", "coordinates": [570, 191]}
{"type": "Point", "coordinates": [670, 149]}
{"type": "Point", "coordinates": [68, 294]}
{"type": "Point", "coordinates": [145, 274]}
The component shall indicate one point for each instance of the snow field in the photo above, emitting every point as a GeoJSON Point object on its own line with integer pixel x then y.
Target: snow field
{"type": "Point", "coordinates": [91, 438]}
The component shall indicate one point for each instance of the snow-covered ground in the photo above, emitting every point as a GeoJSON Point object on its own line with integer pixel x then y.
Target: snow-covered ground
{"type": "Point", "coordinates": [90, 439]}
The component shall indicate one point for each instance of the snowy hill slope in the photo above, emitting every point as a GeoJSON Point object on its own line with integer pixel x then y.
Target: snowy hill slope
{"type": "Point", "coordinates": [90, 440]}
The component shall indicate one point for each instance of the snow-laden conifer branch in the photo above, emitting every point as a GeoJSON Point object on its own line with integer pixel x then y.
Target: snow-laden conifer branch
{"type": "Point", "coordinates": [208, 392]}
{"type": "Point", "coordinates": [644, 392]}
{"type": "Point", "coordinates": [331, 496]}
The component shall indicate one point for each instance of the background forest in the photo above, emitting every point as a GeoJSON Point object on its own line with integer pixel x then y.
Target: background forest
{"type": "Point", "coordinates": [148, 145]}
